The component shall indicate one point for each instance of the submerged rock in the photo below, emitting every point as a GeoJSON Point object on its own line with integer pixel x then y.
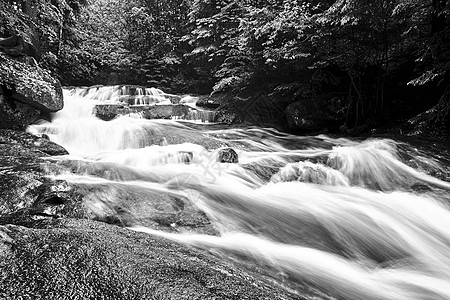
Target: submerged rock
{"type": "Point", "coordinates": [228, 155]}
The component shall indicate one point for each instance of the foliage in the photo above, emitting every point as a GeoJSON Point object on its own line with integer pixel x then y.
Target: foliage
{"type": "Point", "coordinates": [380, 58]}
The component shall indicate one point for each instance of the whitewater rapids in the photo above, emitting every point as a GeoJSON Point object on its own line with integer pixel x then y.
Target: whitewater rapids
{"type": "Point", "coordinates": [355, 219]}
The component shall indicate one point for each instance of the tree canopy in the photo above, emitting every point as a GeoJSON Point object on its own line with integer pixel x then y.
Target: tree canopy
{"type": "Point", "coordinates": [374, 58]}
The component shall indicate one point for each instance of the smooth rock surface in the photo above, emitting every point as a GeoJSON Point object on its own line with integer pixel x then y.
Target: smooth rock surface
{"type": "Point", "coordinates": [80, 259]}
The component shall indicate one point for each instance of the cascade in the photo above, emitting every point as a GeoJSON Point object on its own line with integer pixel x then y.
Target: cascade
{"type": "Point", "coordinates": [138, 99]}
{"type": "Point", "coordinates": [355, 219]}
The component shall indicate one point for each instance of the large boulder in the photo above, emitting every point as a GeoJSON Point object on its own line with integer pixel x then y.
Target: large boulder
{"type": "Point", "coordinates": [26, 91]}
{"type": "Point", "coordinates": [80, 259]}
{"type": "Point", "coordinates": [312, 114]}
{"type": "Point", "coordinates": [30, 85]}
{"type": "Point", "coordinates": [28, 29]}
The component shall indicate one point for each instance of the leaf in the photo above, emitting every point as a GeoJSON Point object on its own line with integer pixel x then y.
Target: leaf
{"type": "Point", "coordinates": [426, 77]}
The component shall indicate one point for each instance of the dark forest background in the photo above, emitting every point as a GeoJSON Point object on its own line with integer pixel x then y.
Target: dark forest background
{"type": "Point", "coordinates": [357, 63]}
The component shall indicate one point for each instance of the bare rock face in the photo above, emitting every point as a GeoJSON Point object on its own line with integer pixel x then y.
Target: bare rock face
{"type": "Point", "coordinates": [81, 259]}
{"type": "Point", "coordinates": [29, 84]}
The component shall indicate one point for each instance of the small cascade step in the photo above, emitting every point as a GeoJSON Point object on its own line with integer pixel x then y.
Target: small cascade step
{"type": "Point", "coordinates": [142, 102]}
{"type": "Point", "coordinates": [125, 94]}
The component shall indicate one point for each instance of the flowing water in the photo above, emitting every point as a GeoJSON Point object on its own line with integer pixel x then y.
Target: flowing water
{"type": "Point", "coordinates": [355, 219]}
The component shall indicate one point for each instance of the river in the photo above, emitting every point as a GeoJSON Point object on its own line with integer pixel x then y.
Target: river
{"type": "Point", "coordinates": [353, 218]}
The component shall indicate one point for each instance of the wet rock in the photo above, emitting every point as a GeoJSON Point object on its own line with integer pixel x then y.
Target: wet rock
{"type": "Point", "coordinates": [227, 155]}
{"type": "Point", "coordinates": [107, 112]}
{"type": "Point", "coordinates": [22, 171]}
{"type": "Point", "coordinates": [74, 259]}
{"type": "Point", "coordinates": [29, 141]}
{"type": "Point", "coordinates": [123, 196]}
{"type": "Point", "coordinates": [110, 111]}
{"type": "Point", "coordinates": [135, 205]}
{"type": "Point", "coordinates": [263, 171]}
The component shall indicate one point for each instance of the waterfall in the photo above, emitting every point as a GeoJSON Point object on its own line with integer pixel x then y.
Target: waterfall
{"type": "Point", "coordinates": [136, 100]}
{"type": "Point", "coordinates": [355, 219]}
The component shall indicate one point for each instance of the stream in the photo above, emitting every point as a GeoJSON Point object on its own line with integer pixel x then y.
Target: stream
{"type": "Point", "coordinates": [353, 218]}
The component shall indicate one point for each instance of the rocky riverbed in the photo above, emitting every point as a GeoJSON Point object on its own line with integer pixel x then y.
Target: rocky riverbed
{"type": "Point", "coordinates": [51, 248]}
{"type": "Point", "coordinates": [55, 245]}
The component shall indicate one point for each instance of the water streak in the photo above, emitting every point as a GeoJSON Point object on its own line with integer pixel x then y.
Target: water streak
{"type": "Point", "coordinates": [357, 219]}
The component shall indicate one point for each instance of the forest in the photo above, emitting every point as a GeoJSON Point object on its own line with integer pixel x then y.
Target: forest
{"type": "Point", "coordinates": [218, 149]}
{"type": "Point", "coordinates": [349, 65]}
